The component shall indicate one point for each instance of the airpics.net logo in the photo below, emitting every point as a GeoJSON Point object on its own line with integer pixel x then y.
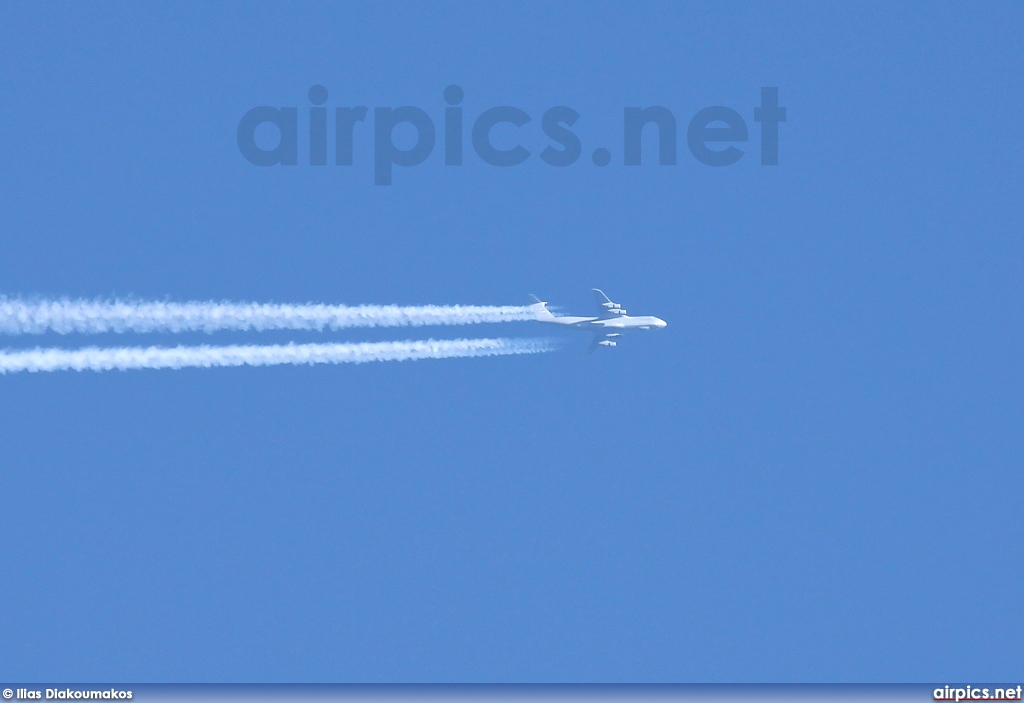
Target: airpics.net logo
{"type": "Point", "coordinates": [711, 134]}
{"type": "Point", "coordinates": [976, 693]}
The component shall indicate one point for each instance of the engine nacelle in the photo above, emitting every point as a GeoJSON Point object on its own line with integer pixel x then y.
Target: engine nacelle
{"type": "Point", "coordinates": [606, 343]}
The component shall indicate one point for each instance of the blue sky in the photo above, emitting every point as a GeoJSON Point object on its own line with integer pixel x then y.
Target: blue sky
{"type": "Point", "coordinates": [813, 474]}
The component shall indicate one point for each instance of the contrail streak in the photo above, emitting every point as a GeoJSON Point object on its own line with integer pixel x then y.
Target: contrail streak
{"type": "Point", "coordinates": [124, 358]}
{"type": "Point", "coordinates": [84, 316]}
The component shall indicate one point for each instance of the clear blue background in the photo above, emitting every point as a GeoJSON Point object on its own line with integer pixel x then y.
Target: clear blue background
{"type": "Point", "coordinates": [813, 474]}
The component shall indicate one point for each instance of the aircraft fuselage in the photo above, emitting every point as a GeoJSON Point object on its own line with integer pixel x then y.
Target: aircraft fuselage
{"type": "Point", "coordinates": [643, 322]}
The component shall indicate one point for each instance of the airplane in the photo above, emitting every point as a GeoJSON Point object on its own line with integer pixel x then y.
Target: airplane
{"type": "Point", "coordinates": [607, 327]}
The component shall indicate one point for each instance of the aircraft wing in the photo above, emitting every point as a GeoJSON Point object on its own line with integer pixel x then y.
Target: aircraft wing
{"type": "Point", "coordinates": [605, 305]}
{"type": "Point", "coordinates": [603, 339]}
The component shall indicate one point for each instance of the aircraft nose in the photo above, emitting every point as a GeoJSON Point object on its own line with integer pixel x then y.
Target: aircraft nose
{"type": "Point", "coordinates": [662, 323]}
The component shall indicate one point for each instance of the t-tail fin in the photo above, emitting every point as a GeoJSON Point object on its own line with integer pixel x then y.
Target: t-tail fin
{"type": "Point", "coordinates": [540, 308]}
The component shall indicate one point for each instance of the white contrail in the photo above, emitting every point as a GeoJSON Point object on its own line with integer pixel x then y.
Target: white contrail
{"type": "Point", "coordinates": [84, 316]}
{"type": "Point", "coordinates": [124, 358]}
